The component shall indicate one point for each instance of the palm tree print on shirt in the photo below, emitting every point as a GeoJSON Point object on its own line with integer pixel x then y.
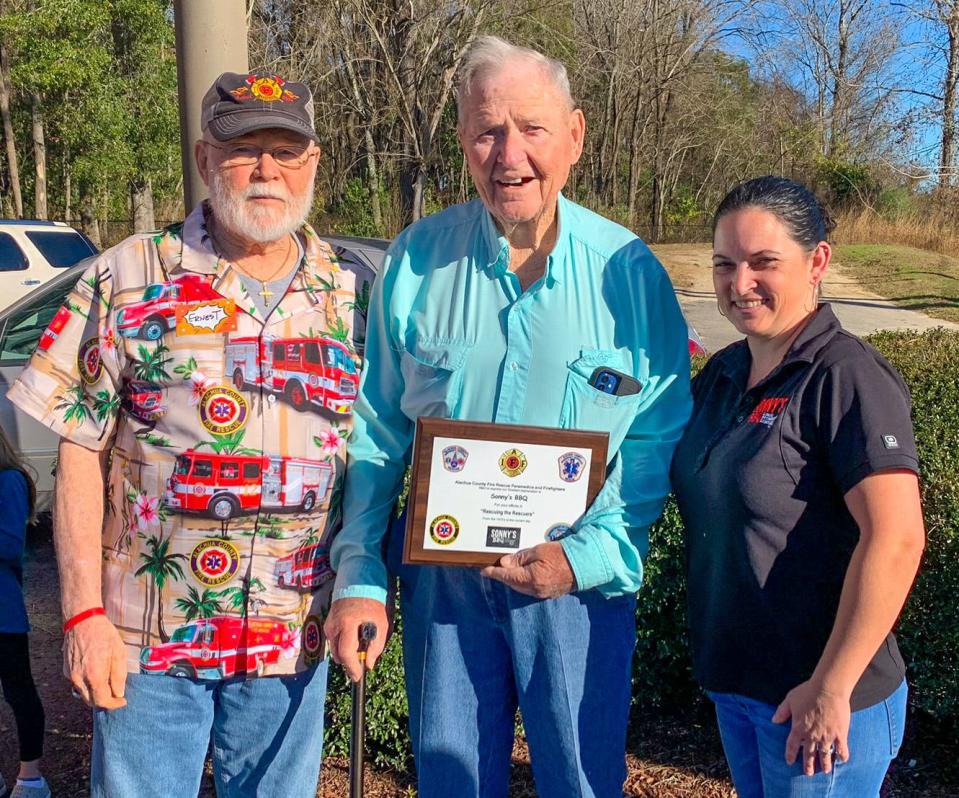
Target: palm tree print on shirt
{"type": "Point", "coordinates": [197, 605]}
{"type": "Point", "coordinates": [161, 565]}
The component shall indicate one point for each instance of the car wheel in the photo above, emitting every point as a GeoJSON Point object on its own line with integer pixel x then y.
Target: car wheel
{"type": "Point", "coordinates": [223, 507]}
{"type": "Point", "coordinates": [296, 395]}
{"type": "Point", "coordinates": [181, 671]}
{"type": "Point", "coordinates": [309, 501]}
{"type": "Point", "coordinates": [238, 379]}
{"type": "Point", "coordinates": [153, 329]}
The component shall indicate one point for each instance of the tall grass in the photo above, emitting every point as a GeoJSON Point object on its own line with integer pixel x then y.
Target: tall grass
{"type": "Point", "coordinates": [934, 227]}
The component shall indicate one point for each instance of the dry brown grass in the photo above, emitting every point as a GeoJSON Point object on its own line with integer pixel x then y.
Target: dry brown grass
{"type": "Point", "coordinates": [934, 228]}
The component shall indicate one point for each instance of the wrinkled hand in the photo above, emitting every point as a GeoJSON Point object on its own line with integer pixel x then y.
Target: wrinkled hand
{"type": "Point", "coordinates": [342, 629]}
{"type": "Point", "coordinates": [820, 720]}
{"type": "Point", "coordinates": [95, 662]}
{"type": "Point", "coordinates": [542, 571]}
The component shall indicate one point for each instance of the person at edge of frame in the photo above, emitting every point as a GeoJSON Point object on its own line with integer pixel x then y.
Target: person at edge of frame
{"type": "Point", "coordinates": [500, 310]}
{"type": "Point", "coordinates": [202, 384]}
{"type": "Point", "coordinates": [797, 485]}
{"type": "Point", "coordinates": [18, 497]}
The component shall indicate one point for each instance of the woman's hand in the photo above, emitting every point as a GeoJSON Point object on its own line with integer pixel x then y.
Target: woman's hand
{"type": "Point", "coordinates": [820, 725]}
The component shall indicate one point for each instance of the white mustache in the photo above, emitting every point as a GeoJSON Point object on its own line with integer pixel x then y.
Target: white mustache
{"type": "Point", "coordinates": [256, 192]}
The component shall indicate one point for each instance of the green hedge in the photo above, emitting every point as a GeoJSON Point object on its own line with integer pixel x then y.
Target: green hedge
{"type": "Point", "coordinates": [929, 628]}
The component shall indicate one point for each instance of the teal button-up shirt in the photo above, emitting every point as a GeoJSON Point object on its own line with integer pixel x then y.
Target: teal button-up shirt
{"type": "Point", "coordinates": [451, 333]}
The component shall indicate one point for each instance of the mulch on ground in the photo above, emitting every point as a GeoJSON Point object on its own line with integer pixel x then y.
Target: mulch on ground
{"type": "Point", "coordinates": [669, 755]}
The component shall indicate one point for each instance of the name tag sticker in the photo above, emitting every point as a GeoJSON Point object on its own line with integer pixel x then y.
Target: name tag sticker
{"type": "Point", "coordinates": [208, 316]}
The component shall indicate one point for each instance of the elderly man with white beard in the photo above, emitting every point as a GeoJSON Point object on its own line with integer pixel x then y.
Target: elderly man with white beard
{"type": "Point", "coordinates": [202, 382]}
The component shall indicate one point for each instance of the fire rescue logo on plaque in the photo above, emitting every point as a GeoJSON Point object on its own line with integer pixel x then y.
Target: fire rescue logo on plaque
{"type": "Point", "coordinates": [88, 361]}
{"type": "Point", "coordinates": [571, 466]}
{"type": "Point", "coordinates": [444, 529]}
{"type": "Point", "coordinates": [454, 458]}
{"type": "Point", "coordinates": [312, 640]}
{"type": "Point", "coordinates": [214, 562]}
{"type": "Point", "coordinates": [222, 410]}
{"type": "Point", "coordinates": [512, 462]}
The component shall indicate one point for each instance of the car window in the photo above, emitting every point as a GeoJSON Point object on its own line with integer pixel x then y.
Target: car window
{"type": "Point", "coordinates": [23, 328]}
{"type": "Point", "coordinates": [12, 258]}
{"type": "Point", "coordinates": [61, 249]}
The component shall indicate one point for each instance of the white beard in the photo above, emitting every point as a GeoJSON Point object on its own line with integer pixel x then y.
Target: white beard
{"type": "Point", "coordinates": [263, 225]}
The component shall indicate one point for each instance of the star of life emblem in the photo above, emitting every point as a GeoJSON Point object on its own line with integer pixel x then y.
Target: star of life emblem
{"type": "Point", "coordinates": [571, 466]}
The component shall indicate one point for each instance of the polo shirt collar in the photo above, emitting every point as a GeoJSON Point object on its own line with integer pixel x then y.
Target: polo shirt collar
{"type": "Point", "coordinates": [497, 245]}
{"type": "Point", "coordinates": [814, 336]}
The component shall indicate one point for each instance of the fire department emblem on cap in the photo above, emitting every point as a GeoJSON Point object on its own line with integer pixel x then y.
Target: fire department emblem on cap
{"type": "Point", "coordinates": [222, 410]}
{"type": "Point", "coordinates": [454, 458]}
{"type": "Point", "coordinates": [88, 361]}
{"type": "Point", "coordinates": [444, 529]}
{"type": "Point", "coordinates": [214, 562]}
{"type": "Point", "coordinates": [512, 462]}
{"type": "Point", "coordinates": [312, 640]}
{"type": "Point", "coordinates": [571, 466]}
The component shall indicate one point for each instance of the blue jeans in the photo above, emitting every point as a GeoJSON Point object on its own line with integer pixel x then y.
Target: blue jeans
{"type": "Point", "coordinates": [475, 649]}
{"type": "Point", "coordinates": [266, 733]}
{"type": "Point", "coordinates": [755, 749]}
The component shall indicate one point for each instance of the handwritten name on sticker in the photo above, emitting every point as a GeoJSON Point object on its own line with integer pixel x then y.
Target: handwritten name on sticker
{"type": "Point", "coordinates": [209, 316]}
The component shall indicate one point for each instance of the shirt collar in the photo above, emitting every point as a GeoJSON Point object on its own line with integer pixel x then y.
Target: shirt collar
{"type": "Point", "coordinates": [189, 247]}
{"type": "Point", "coordinates": [814, 336]}
{"type": "Point", "coordinates": [497, 245]}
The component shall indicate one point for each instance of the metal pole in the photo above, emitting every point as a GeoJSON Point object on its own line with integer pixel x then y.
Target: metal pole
{"type": "Point", "coordinates": [210, 40]}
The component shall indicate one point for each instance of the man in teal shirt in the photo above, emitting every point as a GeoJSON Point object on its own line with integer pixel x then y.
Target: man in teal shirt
{"type": "Point", "coordinates": [500, 310]}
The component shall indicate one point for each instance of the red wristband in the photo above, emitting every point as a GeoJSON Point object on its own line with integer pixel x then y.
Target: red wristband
{"type": "Point", "coordinates": [69, 623]}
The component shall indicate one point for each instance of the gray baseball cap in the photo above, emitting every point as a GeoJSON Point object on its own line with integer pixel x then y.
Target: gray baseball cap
{"type": "Point", "coordinates": [237, 104]}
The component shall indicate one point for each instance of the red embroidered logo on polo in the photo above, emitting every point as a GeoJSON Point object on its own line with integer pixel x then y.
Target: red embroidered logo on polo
{"type": "Point", "coordinates": [768, 410]}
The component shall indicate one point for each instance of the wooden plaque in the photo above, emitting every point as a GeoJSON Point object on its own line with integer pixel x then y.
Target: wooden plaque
{"type": "Point", "coordinates": [481, 490]}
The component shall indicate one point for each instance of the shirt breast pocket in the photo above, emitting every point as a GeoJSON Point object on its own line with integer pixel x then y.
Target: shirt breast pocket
{"type": "Point", "coordinates": [586, 408]}
{"type": "Point", "coordinates": [433, 378]}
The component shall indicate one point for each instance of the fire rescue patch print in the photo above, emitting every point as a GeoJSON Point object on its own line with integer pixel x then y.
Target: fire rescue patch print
{"type": "Point", "coordinates": [214, 562]}
{"type": "Point", "coordinates": [571, 466]}
{"type": "Point", "coordinates": [203, 318]}
{"type": "Point", "coordinates": [312, 640]}
{"type": "Point", "coordinates": [444, 529]}
{"type": "Point", "coordinates": [88, 361]}
{"type": "Point", "coordinates": [768, 410]}
{"type": "Point", "coordinates": [454, 458]}
{"type": "Point", "coordinates": [223, 411]}
{"type": "Point", "coordinates": [512, 462]}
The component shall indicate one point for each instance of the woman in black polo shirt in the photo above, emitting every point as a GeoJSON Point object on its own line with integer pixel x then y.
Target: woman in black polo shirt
{"type": "Point", "coordinates": [796, 480]}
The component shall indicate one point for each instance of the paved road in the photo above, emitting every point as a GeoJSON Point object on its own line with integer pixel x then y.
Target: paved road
{"type": "Point", "coordinates": [860, 316]}
{"type": "Point", "coordinates": [860, 311]}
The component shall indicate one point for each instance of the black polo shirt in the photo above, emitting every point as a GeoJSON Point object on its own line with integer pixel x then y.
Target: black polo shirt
{"type": "Point", "coordinates": [760, 476]}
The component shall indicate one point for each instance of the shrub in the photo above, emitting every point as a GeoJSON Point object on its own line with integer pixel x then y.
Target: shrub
{"type": "Point", "coordinates": [929, 628]}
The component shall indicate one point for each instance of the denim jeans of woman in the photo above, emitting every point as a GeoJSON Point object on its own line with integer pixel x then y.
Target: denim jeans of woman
{"type": "Point", "coordinates": [755, 749]}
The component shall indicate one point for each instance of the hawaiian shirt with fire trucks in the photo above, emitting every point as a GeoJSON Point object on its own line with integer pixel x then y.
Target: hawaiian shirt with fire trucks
{"type": "Point", "coordinates": [227, 437]}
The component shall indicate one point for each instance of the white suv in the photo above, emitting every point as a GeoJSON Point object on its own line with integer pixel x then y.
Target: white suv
{"type": "Point", "coordinates": [31, 253]}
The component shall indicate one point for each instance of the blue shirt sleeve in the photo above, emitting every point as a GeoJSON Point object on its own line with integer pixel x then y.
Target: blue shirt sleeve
{"type": "Point", "coordinates": [381, 436]}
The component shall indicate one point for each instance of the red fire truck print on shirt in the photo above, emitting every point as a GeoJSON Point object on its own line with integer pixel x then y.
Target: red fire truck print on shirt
{"type": "Point", "coordinates": [225, 485]}
{"type": "Point", "coordinates": [220, 647]}
{"type": "Point", "coordinates": [307, 371]}
{"type": "Point", "coordinates": [155, 314]}
{"type": "Point", "coordinates": [305, 569]}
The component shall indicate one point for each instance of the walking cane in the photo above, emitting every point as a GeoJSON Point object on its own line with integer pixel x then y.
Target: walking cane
{"type": "Point", "coordinates": [367, 634]}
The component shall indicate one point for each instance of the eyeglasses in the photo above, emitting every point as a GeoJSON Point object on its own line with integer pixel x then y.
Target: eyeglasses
{"type": "Point", "coordinates": [288, 156]}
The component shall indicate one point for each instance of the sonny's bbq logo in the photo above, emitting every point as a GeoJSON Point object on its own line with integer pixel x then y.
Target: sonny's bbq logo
{"type": "Point", "coordinates": [768, 410]}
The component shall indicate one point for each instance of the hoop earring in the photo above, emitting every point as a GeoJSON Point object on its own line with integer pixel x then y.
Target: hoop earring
{"type": "Point", "coordinates": [815, 299]}
{"type": "Point", "coordinates": [719, 307]}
